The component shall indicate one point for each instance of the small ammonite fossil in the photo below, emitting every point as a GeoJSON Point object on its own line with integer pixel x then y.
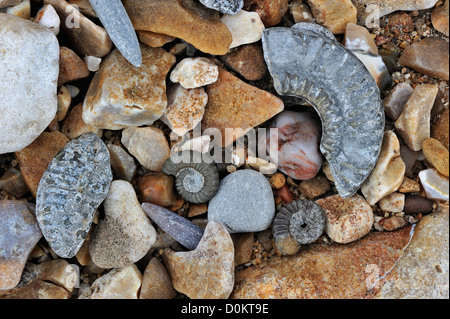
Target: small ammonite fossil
{"type": "Point", "coordinates": [303, 220]}
{"type": "Point", "coordinates": [196, 176]}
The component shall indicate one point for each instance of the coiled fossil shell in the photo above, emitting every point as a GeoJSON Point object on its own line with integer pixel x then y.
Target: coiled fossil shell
{"type": "Point", "coordinates": [303, 220]}
{"type": "Point", "coordinates": [307, 62]}
{"type": "Point", "coordinates": [196, 180]}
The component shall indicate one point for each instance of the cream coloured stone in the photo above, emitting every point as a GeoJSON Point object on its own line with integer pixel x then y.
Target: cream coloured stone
{"type": "Point", "coordinates": [121, 283]}
{"type": "Point", "coordinates": [388, 173]}
{"type": "Point", "coordinates": [92, 63]}
{"type": "Point", "coordinates": [185, 109]}
{"type": "Point", "coordinates": [436, 185]}
{"type": "Point", "coordinates": [414, 122]}
{"type": "Point", "coordinates": [193, 73]}
{"type": "Point", "coordinates": [245, 27]}
{"type": "Point", "coordinates": [48, 17]}
{"type": "Point", "coordinates": [393, 203]}
{"type": "Point", "coordinates": [334, 14]}
{"type": "Point", "coordinates": [22, 10]}
{"type": "Point", "coordinates": [60, 272]}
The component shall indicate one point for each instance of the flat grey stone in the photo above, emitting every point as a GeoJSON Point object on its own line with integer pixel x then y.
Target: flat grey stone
{"type": "Point", "coordinates": [307, 62]}
{"type": "Point", "coordinates": [231, 7]}
{"type": "Point", "coordinates": [75, 184]}
{"type": "Point", "coordinates": [29, 68]}
{"type": "Point", "coordinates": [244, 203]}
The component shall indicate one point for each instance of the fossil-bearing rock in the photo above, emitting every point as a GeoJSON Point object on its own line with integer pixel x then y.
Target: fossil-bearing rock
{"type": "Point", "coordinates": [224, 6]}
{"type": "Point", "coordinates": [75, 183]}
{"type": "Point", "coordinates": [307, 62]}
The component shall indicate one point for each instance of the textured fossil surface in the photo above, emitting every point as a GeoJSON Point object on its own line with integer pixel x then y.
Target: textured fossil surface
{"type": "Point", "coordinates": [307, 62]}
{"type": "Point", "coordinates": [75, 184]}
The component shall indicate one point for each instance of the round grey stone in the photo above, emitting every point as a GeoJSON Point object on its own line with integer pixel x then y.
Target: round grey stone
{"type": "Point", "coordinates": [244, 203]}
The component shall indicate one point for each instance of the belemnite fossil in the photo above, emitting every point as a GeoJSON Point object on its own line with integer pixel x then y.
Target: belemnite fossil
{"type": "Point", "coordinates": [196, 180]}
{"type": "Point", "coordinates": [74, 185]}
{"type": "Point", "coordinates": [307, 62]}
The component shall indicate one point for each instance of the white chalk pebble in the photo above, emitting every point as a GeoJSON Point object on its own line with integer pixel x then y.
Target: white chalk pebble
{"type": "Point", "coordinates": [48, 17]}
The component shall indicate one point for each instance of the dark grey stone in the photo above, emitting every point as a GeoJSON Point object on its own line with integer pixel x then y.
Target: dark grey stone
{"type": "Point", "coordinates": [224, 6]}
{"type": "Point", "coordinates": [76, 182]}
{"type": "Point", "coordinates": [307, 62]}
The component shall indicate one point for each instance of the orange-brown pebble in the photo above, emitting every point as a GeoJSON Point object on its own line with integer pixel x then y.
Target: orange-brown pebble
{"type": "Point", "coordinates": [437, 155]}
{"type": "Point", "coordinates": [277, 180]}
{"type": "Point", "coordinates": [157, 188]}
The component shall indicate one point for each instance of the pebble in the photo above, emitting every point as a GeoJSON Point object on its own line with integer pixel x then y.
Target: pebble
{"type": "Point", "coordinates": [86, 37]}
{"type": "Point", "coordinates": [301, 12]}
{"type": "Point", "coordinates": [435, 185]}
{"type": "Point", "coordinates": [179, 228]}
{"type": "Point", "coordinates": [394, 223]}
{"type": "Point", "coordinates": [245, 27]}
{"type": "Point", "coordinates": [148, 145]}
{"type": "Point", "coordinates": [206, 32]}
{"type": "Point", "coordinates": [358, 38]}
{"type": "Point", "coordinates": [440, 129]}
{"type": "Point", "coordinates": [122, 163]}
{"type": "Point", "coordinates": [35, 158]}
{"type": "Point", "coordinates": [400, 24]}
{"type": "Point", "coordinates": [277, 180]}
{"type": "Point", "coordinates": [64, 100]}
{"type": "Point", "coordinates": [22, 10]}
{"type": "Point", "coordinates": [156, 283]}
{"type": "Point", "coordinates": [197, 210]}
{"type": "Point", "coordinates": [344, 266]}
{"type": "Point", "coordinates": [315, 187]}
{"type": "Point", "coordinates": [248, 61]}
{"type": "Point", "coordinates": [185, 109]}
{"type": "Point", "coordinates": [71, 67]}
{"type": "Point", "coordinates": [418, 205]}
{"type": "Point", "coordinates": [261, 165]}
{"type": "Point", "coordinates": [243, 248]}
{"type": "Point", "coordinates": [123, 283]}
{"type": "Point", "coordinates": [9, 3]}
{"type": "Point", "coordinates": [12, 182]}
{"type": "Point", "coordinates": [194, 73]}
{"type": "Point", "coordinates": [396, 100]}
{"type": "Point", "coordinates": [61, 273]}
{"type": "Point", "coordinates": [429, 56]}
{"type": "Point", "coordinates": [29, 68]}
{"type": "Point", "coordinates": [191, 271]}
{"type": "Point", "coordinates": [126, 234]}
{"type": "Point", "coordinates": [157, 188]}
{"type": "Point", "coordinates": [48, 17]}
{"type": "Point", "coordinates": [393, 203]}
{"type": "Point", "coordinates": [92, 63]}
{"type": "Point", "coordinates": [234, 104]}
{"type": "Point", "coordinates": [298, 140]}
{"type": "Point", "coordinates": [414, 122]}
{"type": "Point", "coordinates": [75, 183]}
{"type": "Point", "coordinates": [224, 6]}
{"type": "Point", "coordinates": [122, 96]}
{"type": "Point", "coordinates": [436, 155]}
{"type": "Point", "coordinates": [440, 18]}
{"type": "Point", "coordinates": [389, 172]}
{"type": "Point", "coordinates": [347, 219]}
{"type": "Point", "coordinates": [270, 11]}
{"type": "Point", "coordinates": [74, 125]}
{"type": "Point", "coordinates": [19, 233]}
{"type": "Point", "coordinates": [244, 203]}
{"type": "Point", "coordinates": [370, 10]}
{"type": "Point", "coordinates": [154, 40]}
{"type": "Point", "coordinates": [85, 7]}
{"type": "Point", "coordinates": [334, 15]}
{"type": "Point", "coordinates": [409, 186]}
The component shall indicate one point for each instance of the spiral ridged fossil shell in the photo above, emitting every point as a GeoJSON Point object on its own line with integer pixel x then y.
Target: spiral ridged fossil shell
{"type": "Point", "coordinates": [307, 62]}
{"type": "Point", "coordinates": [303, 220]}
{"type": "Point", "coordinates": [196, 180]}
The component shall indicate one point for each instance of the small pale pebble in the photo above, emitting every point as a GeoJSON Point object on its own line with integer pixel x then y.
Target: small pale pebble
{"type": "Point", "coordinates": [436, 155]}
{"type": "Point", "coordinates": [396, 100]}
{"type": "Point", "coordinates": [409, 186]}
{"type": "Point", "coordinates": [193, 73]}
{"type": "Point", "coordinates": [123, 283]}
{"type": "Point", "coordinates": [148, 145]}
{"type": "Point", "coordinates": [74, 91]}
{"type": "Point", "coordinates": [347, 219]}
{"type": "Point", "coordinates": [298, 138]}
{"type": "Point", "coordinates": [388, 173]}
{"type": "Point", "coordinates": [414, 122]}
{"type": "Point", "coordinates": [60, 272]}
{"type": "Point", "coordinates": [74, 125]}
{"type": "Point", "coordinates": [157, 188]}
{"type": "Point", "coordinates": [48, 17]}
{"type": "Point", "coordinates": [261, 165]}
{"type": "Point", "coordinates": [393, 203]}
{"type": "Point", "coordinates": [334, 15]}
{"type": "Point", "coordinates": [156, 283]}
{"type": "Point", "coordinates": [394, 223]}
{"type": "Point", "coordinates": [92, 63]}
{"type": "Point", "coordinates": [418, 205]}
{"type": "Point", "coordinates": [22, 10]}
{"type": "Point", "coordinates": [199, 144]}
{"type": "Point", "coordinates": [126, 234]}
{"type": "Point", "coordinates": [64, 101]}
{"type": "Point", "coordinates": [19, 233]}
{"type": "Point", "coordinates": [185, 109]}
{"type": "Point", "coordinates": [122, 163]}
{"type": "Point", "coordinates": [436, 186]}
{"type": "Point", "coordinates": [246, 27]}
{"type": "Point", "coordinates": [358, 38]}
{"type": "Point", "coordinates": [191, 271]}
